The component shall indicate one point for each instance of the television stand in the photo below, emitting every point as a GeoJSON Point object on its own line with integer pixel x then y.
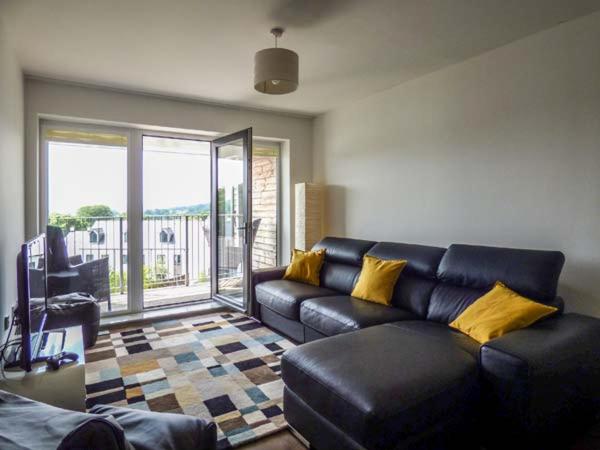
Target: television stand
{"type": "Point", "coordinates": [64, 388]}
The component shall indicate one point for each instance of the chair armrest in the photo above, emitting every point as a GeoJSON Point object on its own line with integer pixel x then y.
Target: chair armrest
{"type": "Point", "coordinates": [544, 380]}
{"type": "Point", "coordinates": [95, 278]}
{"type": "Point", "coordinates": [75, 260]}
{"type": "Point", "coordinates": [260, 276]}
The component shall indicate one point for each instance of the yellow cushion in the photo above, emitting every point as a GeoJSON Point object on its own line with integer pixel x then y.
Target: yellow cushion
{"type": "Point", "coordinates": [305, 266]}
{"type": "Point", "coordinates": [498, 312]}
{"type": "Point", "coordinates": [377, 279]}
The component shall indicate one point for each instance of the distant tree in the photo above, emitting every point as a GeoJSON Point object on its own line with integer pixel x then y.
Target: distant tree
{"type": "Point", "coordinates": [67, 221]}
{"type": "Point", "coordinates": [95, 211]}
{"type": "Point", "coordinates": [190, 210]}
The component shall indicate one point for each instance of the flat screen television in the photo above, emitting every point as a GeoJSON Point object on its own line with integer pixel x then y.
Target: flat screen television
{"type": "Point", "coordinates": [30, 313]}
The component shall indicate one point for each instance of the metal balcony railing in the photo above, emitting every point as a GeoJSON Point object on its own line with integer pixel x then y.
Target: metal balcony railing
{"type": "Point", "coordinates": [176, 249]}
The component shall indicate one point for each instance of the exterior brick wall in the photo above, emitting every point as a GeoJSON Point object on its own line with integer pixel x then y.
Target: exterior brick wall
{"type": "Point", "coordinates": [264, 207]}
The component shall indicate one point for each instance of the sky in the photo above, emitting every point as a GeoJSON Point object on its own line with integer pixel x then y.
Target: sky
{"type": "Point", "coordinates": [176, 173]}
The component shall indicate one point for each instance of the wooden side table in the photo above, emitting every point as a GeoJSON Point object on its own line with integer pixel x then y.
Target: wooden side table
{"type": "Point", "coordinates": [64, 388]}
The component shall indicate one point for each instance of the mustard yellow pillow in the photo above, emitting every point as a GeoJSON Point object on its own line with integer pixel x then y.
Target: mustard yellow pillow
{"type": "Point", "coordinates": [305, 267]}
{"type": "Point", "coordinates": [377, 279]}
{"type": "Point", "coordinates": [498, 312]}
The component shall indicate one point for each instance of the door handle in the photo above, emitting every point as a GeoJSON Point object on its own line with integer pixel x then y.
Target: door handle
{"type": "Point", "coordinates": [245, 228]}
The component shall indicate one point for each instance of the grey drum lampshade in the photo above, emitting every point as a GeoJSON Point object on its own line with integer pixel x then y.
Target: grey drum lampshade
{"type": "Point", "coordinates": [276, 71]}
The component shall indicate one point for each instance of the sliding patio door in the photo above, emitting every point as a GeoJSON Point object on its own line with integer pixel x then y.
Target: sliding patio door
{"type": "Point", "coordinates": [232, 227]}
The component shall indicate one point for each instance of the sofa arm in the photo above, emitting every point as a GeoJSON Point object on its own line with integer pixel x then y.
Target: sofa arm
{"type": "Point", "coordinates": [542, 382]}
{"type": "Point", "coordinates": [260, 276]}
{"type": "Point", "coordinates": [271, 273]}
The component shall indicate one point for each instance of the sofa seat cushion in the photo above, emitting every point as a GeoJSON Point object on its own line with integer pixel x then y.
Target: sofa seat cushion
{"type": "Point", "coordinates": [285, 296]}
{"type": "Point", "coordinates": [343, 313]}
{"type": "Point", "coordinates": [441, 332]}
{"type": "Point", "coordinates": [383, 385]}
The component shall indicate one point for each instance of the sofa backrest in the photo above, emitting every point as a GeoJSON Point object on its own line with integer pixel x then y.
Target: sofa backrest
{"type": "Point", "coordinates": [468, 271]}
{"type": "Point", "coordinates": [418, 279]}
{"type": "Point", "coordinates": [343, 261]}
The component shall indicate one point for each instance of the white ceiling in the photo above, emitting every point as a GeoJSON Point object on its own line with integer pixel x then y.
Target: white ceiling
{"type": "Point", "coordinates": [204, 49]}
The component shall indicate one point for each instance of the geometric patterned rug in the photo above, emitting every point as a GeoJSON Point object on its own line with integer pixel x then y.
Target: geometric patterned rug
{"type": "Point", "coordinates": [223, 367]}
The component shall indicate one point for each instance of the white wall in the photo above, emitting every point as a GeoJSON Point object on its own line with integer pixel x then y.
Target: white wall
{"type": "Point", "coordinates": [11, 173]}
{"type": "Point", "coordinates": [44, 98]}
{"type": "Point", "coordinates": [502, 149]}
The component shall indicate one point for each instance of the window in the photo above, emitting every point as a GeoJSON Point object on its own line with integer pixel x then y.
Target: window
{"type": "Point", "coordinates": [167, 236]}
{"type": "Point", "coordinates": [125, 259]}
{"type": "Point", "coordinates": [83, 190]}
{"type": "Point", "coordinates": [160, 259]}
{"type": "Point", "coordinates": [177, 260]}
{"type": "Point", "coordinates": [97, 236]}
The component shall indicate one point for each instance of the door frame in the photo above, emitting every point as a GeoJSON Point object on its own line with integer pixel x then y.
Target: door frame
{"type": "Point", "coordinates": [139, 140]}
{"type": "Point", "coordinates": [247, 139]}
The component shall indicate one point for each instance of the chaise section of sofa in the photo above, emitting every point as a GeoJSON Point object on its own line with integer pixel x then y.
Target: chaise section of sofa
{"type": "Point", "coordinates": [382, 386]}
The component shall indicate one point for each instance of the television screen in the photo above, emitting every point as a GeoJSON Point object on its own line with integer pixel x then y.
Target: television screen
{"type": "Point", "coordinates": [31, 305]}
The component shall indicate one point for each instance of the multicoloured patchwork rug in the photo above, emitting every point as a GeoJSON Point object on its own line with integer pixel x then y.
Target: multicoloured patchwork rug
{"type": "Point", "coordinates": [223, 367]}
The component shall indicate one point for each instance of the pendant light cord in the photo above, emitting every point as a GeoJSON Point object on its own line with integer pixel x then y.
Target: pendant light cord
{"type": "Point", "coordinates": [276, 32]}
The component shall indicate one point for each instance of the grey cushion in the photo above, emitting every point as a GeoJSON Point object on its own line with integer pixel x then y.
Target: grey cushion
{"type": "Point", "coordinates": [343, 313]}
{"type": "Point", "coordinates": [285, 296]}
{"type": "Point", "coordinates": [72, 309]}
{"type": "Point", "coordinates": [147, 430]}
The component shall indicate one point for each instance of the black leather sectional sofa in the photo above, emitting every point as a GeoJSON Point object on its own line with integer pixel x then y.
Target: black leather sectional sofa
{"type": "Point", "coordinates": [377, 377]}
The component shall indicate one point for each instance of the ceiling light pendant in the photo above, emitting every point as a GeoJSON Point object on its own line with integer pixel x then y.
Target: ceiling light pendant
{"type": "Point", "coordinates": [276, 69]}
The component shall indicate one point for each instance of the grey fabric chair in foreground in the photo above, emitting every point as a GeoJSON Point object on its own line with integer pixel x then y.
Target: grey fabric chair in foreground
{"type": "Point", "coordinates": [25, 423]}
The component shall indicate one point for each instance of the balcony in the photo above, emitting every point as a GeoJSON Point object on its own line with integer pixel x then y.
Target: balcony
{"type": "Point", "coordinates": [176, 255]}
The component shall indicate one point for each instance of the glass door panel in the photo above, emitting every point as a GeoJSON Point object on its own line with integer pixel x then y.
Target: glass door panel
{"type": "Point", "coordinates": [232, 224]}
{"type": "Point", "coordinates": [176, 220]}
{"type": "Point", "coordinates": [87, 199]}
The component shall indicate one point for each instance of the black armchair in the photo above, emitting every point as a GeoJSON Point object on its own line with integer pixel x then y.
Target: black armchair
{"type": "Point", "coordinates": [66, 274]}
